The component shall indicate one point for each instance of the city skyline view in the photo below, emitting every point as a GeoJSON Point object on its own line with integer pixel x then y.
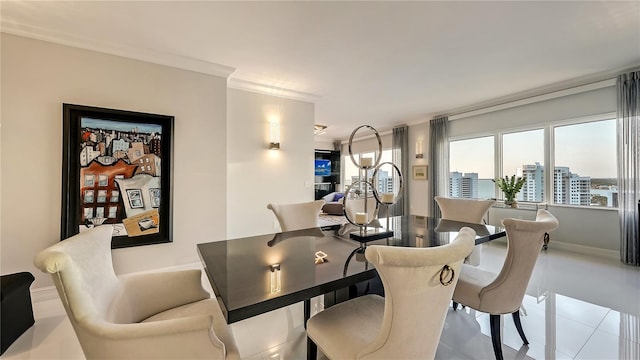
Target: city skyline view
{"type": "Point", "coordinates": [589, 149]}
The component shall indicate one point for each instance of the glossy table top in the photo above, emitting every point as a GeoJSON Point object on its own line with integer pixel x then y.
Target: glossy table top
{"type": "Point", "coordinates": [240, 269]}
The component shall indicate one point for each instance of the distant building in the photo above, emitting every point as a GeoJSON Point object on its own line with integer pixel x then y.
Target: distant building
{"type": "Point", "coordinates": [385, 182]}
{"type": "Point", "coordinates": [533, 188]}
{"type": "Point", "coordinates": [579, 190]}
{"type": "Point", "coordinates": [568, 188]}
{"type": "Point", "coordinates": [608, 192]}
{"type": "Point", "coordinates": [463, 185]}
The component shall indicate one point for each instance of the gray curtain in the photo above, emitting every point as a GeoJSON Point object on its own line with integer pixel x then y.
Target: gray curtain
{"type": "Point", "coordinates": [629, 166]}
{"type": "Point", "coordinates": [438, 172]}
{"type": "Point", "coordinates": [400, 157]}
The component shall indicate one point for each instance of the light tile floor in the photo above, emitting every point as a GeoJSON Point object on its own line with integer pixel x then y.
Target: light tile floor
{"type": "Point", "coordinates": [576, 307]}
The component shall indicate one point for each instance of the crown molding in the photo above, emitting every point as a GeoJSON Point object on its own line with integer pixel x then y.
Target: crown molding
{"type": "Point", "coordinates": [537, 98]}
{"type": "Point", "coordinates": [259, 88]}
{"type": "Point", "coordinates": [73, 40]}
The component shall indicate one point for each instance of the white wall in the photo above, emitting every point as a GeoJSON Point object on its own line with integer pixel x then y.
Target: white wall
{"type": "Point", "coordinates": [418, 188]}
{"type": "Point", "coordinates": [37, 77]}
{"type": "Point", "coordinates": [594, 102]}
{"type": "Point", "coordinates": [257, 176]}
{"type": "Point", "coordinates": [324, 145]}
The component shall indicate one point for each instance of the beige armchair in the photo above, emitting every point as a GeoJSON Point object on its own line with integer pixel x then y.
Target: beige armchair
{"type": "Point", "coordinates": [297, 216]}
{"type": "Point", "coordinates": [502, 293]}
{"type": "Point", "coordinates": [465, 210]}
{"type": "Point", "coordinates": [408, 321]}
{"type": "Point", "coordinates": [162, 315]}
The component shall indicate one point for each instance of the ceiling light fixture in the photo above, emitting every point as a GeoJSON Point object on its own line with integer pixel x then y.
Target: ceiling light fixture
{"type": "Point", "coordinates": [319, 129]}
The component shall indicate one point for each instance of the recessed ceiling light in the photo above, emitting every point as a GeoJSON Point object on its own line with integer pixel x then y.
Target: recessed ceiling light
{"type": "Point", "coordinates": [319, 129]}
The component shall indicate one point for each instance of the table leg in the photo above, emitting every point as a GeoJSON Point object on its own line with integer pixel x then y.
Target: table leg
{"type": "Point", "coordinates": [307, 311]}
{"type": "Point", "coordinates": [312, 350]}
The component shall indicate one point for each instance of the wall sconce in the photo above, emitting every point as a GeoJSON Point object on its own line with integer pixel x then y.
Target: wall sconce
{"type": "Point", "coordinates": [274, 134]}
{"type": "Point", "coordinates": [419, 154]}
{"type": "Point", "coordinates": [275, 279]}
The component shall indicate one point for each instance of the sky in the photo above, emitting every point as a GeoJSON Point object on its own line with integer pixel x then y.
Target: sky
{"type": "Point", "coordinates": [588, 149]}
{"type": "Point", "coordinates": [119, 125]}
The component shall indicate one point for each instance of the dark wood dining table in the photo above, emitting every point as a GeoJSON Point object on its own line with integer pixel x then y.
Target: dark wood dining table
{"type": "Point", "coordinates": [257, 274]}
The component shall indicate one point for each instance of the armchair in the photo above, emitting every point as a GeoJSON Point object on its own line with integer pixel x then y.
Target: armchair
{"type": "Point", "coordinates": [163, 315]}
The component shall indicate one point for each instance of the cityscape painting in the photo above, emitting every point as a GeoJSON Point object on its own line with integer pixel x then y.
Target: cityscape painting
{"type": "Point", "coordinates": [117, 172]}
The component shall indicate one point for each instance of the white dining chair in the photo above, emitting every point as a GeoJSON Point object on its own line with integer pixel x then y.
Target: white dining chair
{"type": "Point", "coordinates": [502, 293]}
{"type": "Point", "coordinates": [466, 210]}
{"type": "Point", "coordinates": [408, 321]}
{"type": "Point", "coordinates": [297, 216]}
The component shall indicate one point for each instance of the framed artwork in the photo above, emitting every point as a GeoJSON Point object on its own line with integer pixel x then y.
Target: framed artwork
{"type": "Point", "coordinates": [420, 172]}
{"type": "Point", "coordinates": [116, 171]}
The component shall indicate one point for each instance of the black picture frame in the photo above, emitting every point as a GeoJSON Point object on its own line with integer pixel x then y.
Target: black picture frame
{"type": "Point", "coordinates": [108, 156]}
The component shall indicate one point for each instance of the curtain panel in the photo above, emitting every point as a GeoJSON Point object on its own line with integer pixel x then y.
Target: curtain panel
{"type": "Point", "coordinates": [400, 157]}
{"type": "Point", "coordinates": [438, 171]}
{"type": "Point", "coordinates": [629, 166]}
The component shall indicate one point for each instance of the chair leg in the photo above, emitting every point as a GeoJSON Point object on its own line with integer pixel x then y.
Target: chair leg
{"type": "Point", "coordinates": [516, 320]}
{"type": "Point", "coordinates": [455, 305]}
{"type": "Point", "coordinates": [495, 335]}
{"type": "Point", "coordinates": [312, 349]}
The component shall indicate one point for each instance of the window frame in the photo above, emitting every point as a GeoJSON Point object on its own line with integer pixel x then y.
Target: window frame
{"type": "Point", "coordinates": [548, 128]}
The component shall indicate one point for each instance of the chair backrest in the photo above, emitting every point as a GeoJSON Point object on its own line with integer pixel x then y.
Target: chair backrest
{"type": "Point", "coordinates": [83, 274]}
{"type": "Point", "coordinates": [524, 241]}
{"type": "Point", "coordinates": [465, 210]}
{"type": "Point", "coordinates": [297, 216]}
{"type": "Point", "coordinates": [416, 301]}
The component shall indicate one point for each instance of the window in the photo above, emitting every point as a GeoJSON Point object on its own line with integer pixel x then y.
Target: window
{"type": "Point", "coordinates": [584, 170]}
{"type": "Point", "coordinates": [585, 164]}
{"type": "Point", "coordinates": [523, 155]}
{"type": "Point", "coordinates": [471, 166]}
{"type": "Point", "coordinates": [385, 182]}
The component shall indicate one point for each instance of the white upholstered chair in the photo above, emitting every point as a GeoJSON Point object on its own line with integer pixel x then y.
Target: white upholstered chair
{"type": "Point", "coordinates": [297, 216]}
{"type": "Point", "coordinates": [502, 293]}
{"type": "Point", "coordinates": [465, 210]}
{"type": "Point", "coordinates": [162, 315]}
{"type": "Point", "coordinates": [408, 321]}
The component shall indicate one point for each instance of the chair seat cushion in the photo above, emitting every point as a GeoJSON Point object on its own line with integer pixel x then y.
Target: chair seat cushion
{"type": "Point", "coordinates": [344, 329]}
{"type": "Point", "coordinates": [471, 281]}
{"type": "Point", "coordinates": [198, 308]}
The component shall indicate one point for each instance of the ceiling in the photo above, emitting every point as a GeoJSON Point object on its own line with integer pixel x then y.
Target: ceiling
{"type": "Point", "coordinates": [376, 63]}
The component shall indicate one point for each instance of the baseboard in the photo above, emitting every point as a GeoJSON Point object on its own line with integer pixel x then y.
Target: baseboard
{"type": "Point", "coordinates": [574, 248]}
{"type": "Point", "coordinates": [585, 250]}
{"type": "Point", "coordinates": [44, 294]}
{"type": "Point", "coordinates": [50, 293]}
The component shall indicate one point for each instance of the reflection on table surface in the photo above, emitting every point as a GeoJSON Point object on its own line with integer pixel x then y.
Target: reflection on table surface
{"type": "Point", "coordinates": [242, 271]}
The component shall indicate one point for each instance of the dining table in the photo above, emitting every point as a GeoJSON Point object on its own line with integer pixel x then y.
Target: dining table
{"type": "Point", "coordinates": [257, 274]}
